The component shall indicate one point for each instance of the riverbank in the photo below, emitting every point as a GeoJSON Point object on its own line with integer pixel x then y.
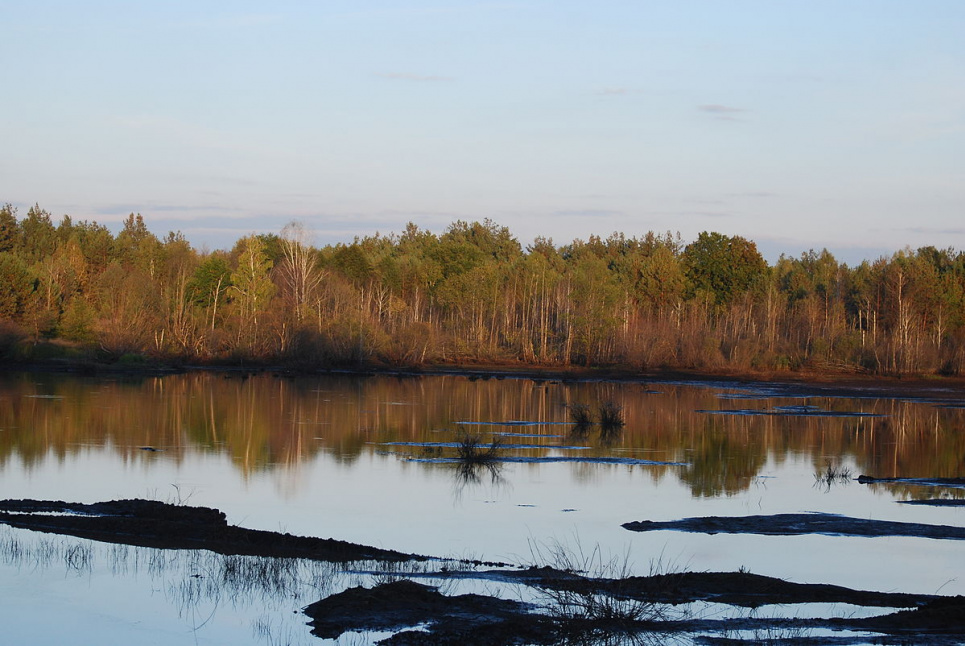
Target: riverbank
{"type": "Point", "coordinates": [829, 383]}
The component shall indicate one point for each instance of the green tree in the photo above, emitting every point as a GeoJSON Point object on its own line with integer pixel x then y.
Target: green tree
{"type": "Point", "coordinates": [724, 266]}
{"type": "Point", "coordinates": [17, 286]}
{"type": "Point", "coordinates": [252, 286]}
{"type": "Point", "coordinates": [8, 227]}
{"type": "Point", "coordinates": [137, 247]}
{"type": "Point", "coordinates": [38, 238]}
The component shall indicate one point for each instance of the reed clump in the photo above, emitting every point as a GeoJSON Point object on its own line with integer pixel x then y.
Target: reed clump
{"type": "Point", "coordinates": [611, 417]}
{"type": "Point", "coordinates": [581, 417]}
{"type": "Point", "coordinates": [471, 450]}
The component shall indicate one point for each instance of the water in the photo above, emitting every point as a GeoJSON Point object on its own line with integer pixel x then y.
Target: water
{"type": "Point", "coordinates": [366, 459]}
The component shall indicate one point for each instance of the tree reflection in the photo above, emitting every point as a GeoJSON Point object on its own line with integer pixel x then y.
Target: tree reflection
{"type": "Point", "coordinates": [266, 422]}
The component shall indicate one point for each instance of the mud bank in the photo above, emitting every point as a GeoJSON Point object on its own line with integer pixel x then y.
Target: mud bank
{"type": "Point", "coordinates": [422, 615]}
{"type": "Point", "coordinates": [800, 524]}
{"type": "Point", "coordinates": [924, 482]}
{"type": "Point", "coordinates": [149, 523]}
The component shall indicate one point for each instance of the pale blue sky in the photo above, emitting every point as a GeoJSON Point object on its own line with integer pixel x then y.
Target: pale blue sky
{"type": "Point", "coordinates": [804, 124]}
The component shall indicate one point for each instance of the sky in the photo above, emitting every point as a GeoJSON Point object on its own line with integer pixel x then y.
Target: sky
{"type": "Point", "coordinates": [800, 125]}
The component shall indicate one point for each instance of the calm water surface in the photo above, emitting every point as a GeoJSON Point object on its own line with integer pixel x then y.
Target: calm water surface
{"type": "Point", "coordinates": [364, 459]}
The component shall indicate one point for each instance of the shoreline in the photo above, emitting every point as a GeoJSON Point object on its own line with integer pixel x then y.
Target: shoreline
{"type": "Point", "coordinates": [789, 383]}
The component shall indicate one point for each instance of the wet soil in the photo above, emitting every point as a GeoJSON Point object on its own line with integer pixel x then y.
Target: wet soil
{"type": "Point", "coordinates": [799, 524]}
{"type": "Point", "coordinates": [924, 482]}
{"type": "Point", "coordinates": [935, 502]}
{"type": "Point", "coordinates": [150, 523]}
{"type": "Point", "coordinates": [742, 589]}
{"type": "Point", "coordinates": [423, 615]}
{"type": "Point", "coordinates": [401, 605]}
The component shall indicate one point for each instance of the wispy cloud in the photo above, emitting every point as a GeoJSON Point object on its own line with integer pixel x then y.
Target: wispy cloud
{"type": "Point", "coordinates": [587, 213]}
{"type": "Point", "coordinates": [950, 231]}
{"type": "Point", "coordinates": [758, 194]}
{"type": "Point", "coordinates": [148, 208]}
{"type": "Point", "coordinates": [722, 112]}
{"type": "Point", "coordinates": [692, 214]}
{"type": "Point", "coordinates": [614, 91]}
{"type": "Point", "coordinates": [404, 76]}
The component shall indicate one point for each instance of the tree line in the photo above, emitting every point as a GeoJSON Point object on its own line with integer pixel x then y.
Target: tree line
{"type": "Point", "coordinates": [474, 294]}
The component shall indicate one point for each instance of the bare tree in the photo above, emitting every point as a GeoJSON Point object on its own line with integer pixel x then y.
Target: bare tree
{"type": "Point", "coordinates": [300, 273]}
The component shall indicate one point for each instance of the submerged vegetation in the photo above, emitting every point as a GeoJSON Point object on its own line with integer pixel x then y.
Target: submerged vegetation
{"type": "Point", "coordinates": [75, 290]}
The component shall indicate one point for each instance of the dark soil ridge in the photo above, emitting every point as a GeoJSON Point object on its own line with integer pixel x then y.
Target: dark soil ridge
{"type": "Point", "coordinates": [742, 589]}
{"type": "Point", "coordinates": [800, 524]}
{"type": "Point", "coordinates": [463, 619]}
{"type": "Point", "coordinates": [924, 482]}
{"type": "Point", "coordinates": [149, 523]}
{"type": "Point", "coordinates": [472, 619]}
{"type": "Point", "coordinates": [935, 502]}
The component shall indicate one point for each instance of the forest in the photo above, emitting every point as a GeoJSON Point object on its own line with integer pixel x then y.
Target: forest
{"type": "Point", "coordinates": [473, 294]}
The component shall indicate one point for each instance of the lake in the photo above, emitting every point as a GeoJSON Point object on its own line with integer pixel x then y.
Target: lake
{"type": "Point", "coordinates": [368, 459]}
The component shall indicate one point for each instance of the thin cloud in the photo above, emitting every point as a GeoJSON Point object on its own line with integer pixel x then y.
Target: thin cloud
{"type": "Point", "coordinates": [760, 194]}
{"type": "Point", "coordinates": [147, 208]}
{"type": "Point", "coordinates": [614, 91]}
{"type": "Point", "coordinates": [692, 214]}
{"type": "Point", "coordinates": [952, 231]}
{"type": "Point", "coordinates": [587, 213]}
{"type": "Point", "coordinates": [722, 112]}
{"type": "Point", "coordinates": [403, 76]}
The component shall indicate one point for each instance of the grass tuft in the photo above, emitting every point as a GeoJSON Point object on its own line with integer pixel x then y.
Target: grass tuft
{"type": "Point", "coordinates": [471, 450]}
{"type": "Point", "coordinates": [581, 417]}
{"type": "Point", "coordinates": [833, 475]}
{"type": "Point", "coordinates": [611, 417]}
{"type": "Point", "coordinates": [592, 601]}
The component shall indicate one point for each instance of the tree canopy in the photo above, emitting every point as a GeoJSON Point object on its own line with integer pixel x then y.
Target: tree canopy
{"type": "Point", "coordinates": [473, 293]}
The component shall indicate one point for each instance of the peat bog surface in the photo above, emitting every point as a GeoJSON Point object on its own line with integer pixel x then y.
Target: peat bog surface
{"type": "Point", "coordinates": [567, 604]}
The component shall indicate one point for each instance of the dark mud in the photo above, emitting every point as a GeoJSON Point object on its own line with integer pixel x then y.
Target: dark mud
{"type": "Point", "coordinates": [731, 588]}
{"type": "Point", "coordinates": [149, 523]}
{"type": "Point", "coordinates": [935, 502]}
{"type": "Point", "coordinates": [799, 524]}
{"type": "Point", "coordinates": [924, 482]}
{"type": "Point", "coordinates": [423, 615]}
{"type": "Point", "coordinates": [402, 605]}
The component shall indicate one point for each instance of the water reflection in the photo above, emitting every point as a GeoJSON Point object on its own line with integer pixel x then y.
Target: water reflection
{"type": "Point", "coordinates": [208, 592]}
{"type": "Point", "coordinates": [268, 422]}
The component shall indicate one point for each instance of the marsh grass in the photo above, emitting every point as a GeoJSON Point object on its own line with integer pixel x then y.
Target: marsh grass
{"type": "Point", "coordinates": [592, 602]}
{"type": "Point", "coordinates": [609, 414]}
{"type": "Point", "coordinates": [611, 417]}
{"type": "Point", "coordinates": [832, 475]}
{"type": "Point", "coordinates": [79, 557]}
{"type": "Point", "coordinates": [472, 451]}
{"type": "Point", "coordinates": [273, 633]}
{"type": "Point", "coordinates": [581, 417]}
